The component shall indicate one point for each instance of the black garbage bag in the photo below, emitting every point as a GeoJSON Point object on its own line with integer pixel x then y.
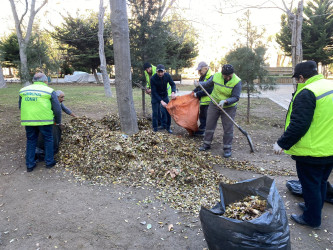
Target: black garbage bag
{"type": "Point", "coordinates": [295, 188]}
{"type": "Point", "coordinates": [269, 231]}
{"type": "Point", "coordinates": [56, 133]}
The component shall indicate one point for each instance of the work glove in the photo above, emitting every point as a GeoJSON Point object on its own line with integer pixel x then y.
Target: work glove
{"type": "Point", "coordinates": [277, 149]}
{"type": "Point", "coordinates": [221, 104]}
{"type": "Point", "coordinates": [195, 95]}
{"type": "Point", "coordinates": [196, 83]}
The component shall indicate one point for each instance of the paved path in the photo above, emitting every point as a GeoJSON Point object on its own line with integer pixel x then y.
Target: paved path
{"type": "Point", "coordinates": [281, 96]}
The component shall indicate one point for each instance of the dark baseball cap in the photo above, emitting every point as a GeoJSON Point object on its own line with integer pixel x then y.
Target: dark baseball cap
{"type": "Point", "coordinates": [305, 69]}
{"type": "Point", "coordinates": [160, 67]}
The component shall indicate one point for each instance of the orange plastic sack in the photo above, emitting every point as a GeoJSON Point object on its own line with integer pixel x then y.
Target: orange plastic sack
{"type": "Point", "coordinates": [185, 111]}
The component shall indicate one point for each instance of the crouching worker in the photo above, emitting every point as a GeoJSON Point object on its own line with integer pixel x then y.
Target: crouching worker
{"type": "Point", "coordinates": [61, 98]}
{"type": "Point", "coordinates": [159, 96]}
{"type": "Point", "coordinates": [56, 130]}
{"type": "Point", "coordinates": [40, 108]}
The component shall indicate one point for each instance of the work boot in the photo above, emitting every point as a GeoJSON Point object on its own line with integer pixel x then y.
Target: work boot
{"type": "Point", "coordinates": [30, 169]}
{"type": "Point", "coordinates": [199, 133]}
{"type": "Point", "coordinates": [226, 153]}
{"type": "Point", "coordinates": [204, 147]}
{"type": "Point", "coordinates": [169, 131]}
{"type": "Point", "coordinates": [51, 165]}
{"type": "Point", "coordinates": [160, 128]}
{"type": "Point", "coordinates": [299, 219]}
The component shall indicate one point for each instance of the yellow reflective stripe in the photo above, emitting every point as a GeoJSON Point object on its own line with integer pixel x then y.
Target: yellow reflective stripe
{"type": "Point", "coordinates": [37, 90]}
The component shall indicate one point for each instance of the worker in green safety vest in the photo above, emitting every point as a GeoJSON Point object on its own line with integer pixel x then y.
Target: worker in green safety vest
{"type": "Point", "coordinates": [308, 139]}
{"type": "Point", "coordinates": [226, 92]}
{"type": "Point", "coordinates": [149, 71]}
{"type": "Point", "coordinates": [40, 109]}
{"type": "Point", "coordinates": [205, 74]}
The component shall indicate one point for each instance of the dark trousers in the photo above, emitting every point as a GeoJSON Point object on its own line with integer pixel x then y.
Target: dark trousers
{"type": "Point", "coordinates": [32, 137]}
{"type": "Point", "coordinates": [158, 109]}
{"type": "Point", "coordinates": [313, 178]}
{"type": "Point", "coordinates": [213, 114]}
{"type": "Point", "coordinates": [203, 117]}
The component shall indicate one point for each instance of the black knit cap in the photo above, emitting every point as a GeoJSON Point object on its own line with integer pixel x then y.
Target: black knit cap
{"type": "Point", "coordinates": [306, 69]}
{"type": "Point", "coordinates": [227, 69]}
{"type": "Point", "coordinates": [146, 65]}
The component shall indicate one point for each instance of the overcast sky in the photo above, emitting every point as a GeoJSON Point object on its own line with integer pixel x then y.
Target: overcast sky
{"type": "Point", "coordinates": [217, 32]}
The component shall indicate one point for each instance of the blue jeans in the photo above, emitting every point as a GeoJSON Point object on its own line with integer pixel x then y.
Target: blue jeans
{"type": "Point", "coordinates": [313, 178]}
{"type": "Point", "coordinates": [165, 119]}
{"type": "Point", "coordinates": [32, 137]}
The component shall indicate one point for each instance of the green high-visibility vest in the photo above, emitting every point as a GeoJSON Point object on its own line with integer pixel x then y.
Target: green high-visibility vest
{"type": "Point", "coordinates": [36, 105]}
{"type": "Point", "coordinates": [153, 72]}
{"type": "Point", "coordinates": [317, 142]}
{"type": "Point", "coordinates": [223, 91]}
{"type": "Point", "coordinates": [205, 100]}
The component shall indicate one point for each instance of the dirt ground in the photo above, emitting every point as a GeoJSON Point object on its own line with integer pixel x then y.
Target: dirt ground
{"type": "Point", "coordinates": [49, 209]}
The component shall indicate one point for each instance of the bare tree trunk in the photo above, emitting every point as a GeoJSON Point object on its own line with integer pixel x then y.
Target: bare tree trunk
{"type": "Point", "coordinates": [295, 24]}
{"type": "Point", "coordinates": [96, 76]}
{"type": "Point", "coordinates": [106, 80]}
{"type": "Point", "coordinates": [248, 103]}
{"type": "Point", "coordinates": [123, 78]}
{"type": "Point", "coordinates": [24, 37]}
{"type": "Point", "coordinates": [2, 79]}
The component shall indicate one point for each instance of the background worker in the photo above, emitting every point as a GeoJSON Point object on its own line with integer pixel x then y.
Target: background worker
{"type": "Point", "coordinates": [308, 139]}
{"type": "Point", "coordinates": [56, 130]}
{"type": "Point", "coordinates": [159, 97]}
{"type": "Point", "coordinates": [149, 71]}
{"type": "Point", "coordinates": [205, 74]}
{"type": "Point", "coordinates": [61, 98]}
{"type": "Point", "coordinates": [40, 108]}
{"type": "Point", "coordinates": [226, 92]}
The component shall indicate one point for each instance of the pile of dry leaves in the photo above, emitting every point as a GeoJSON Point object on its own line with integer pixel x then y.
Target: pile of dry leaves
{"type": "Point", "coordinates": [99, 152]}
{"type": "Point", "coordinates": [249, 208]}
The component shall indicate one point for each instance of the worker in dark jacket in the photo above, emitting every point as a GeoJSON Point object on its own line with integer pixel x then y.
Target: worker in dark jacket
{"type": "Point", "coordinates": [308, 139]}
{"type": "Point", "coordinates": [205, 74]}
{"type": "Point", "coordinates": [159, 96]}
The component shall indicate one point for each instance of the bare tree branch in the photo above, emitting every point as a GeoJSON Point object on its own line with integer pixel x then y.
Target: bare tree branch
{"type": "Point", "coordinates": [26, 11]}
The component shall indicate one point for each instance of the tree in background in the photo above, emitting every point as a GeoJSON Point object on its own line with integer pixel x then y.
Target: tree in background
{"type": "Point", "coordinates": [38, 51]}
{"type": "Point", "coordinates": [158, 38]}
{"type": "Point", "coordinates": [147, 34]}
{"type": "Point", "coordinates": [120, 32]}
{"type": "Point", "coordinates": [106, 80]}
{"type": "Point", "coordinates": [77, 38]}
{"type": "Point", "coordinates": [181, 44]}
{"type": "Point", "coordinates": [317, 31]}
{"type": "Point", "coordinates": [24, 35]}
{"type": "Point", "coordinates": [248, 59]}
{"type": "Point", "coordinates": [283, 38]}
